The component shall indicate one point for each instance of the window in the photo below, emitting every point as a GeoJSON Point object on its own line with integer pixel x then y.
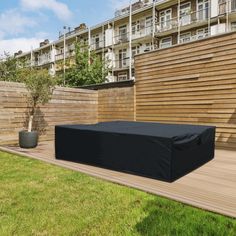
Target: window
{"type": "Point", "coordinates": [122, 76]}
{"type": "Point", "coordinates": [148, 25]}
{"type": "Point", "coordinates": [148, 47]}
{"type": "Point", "coordinates": [185, 13]}
{"type": "Point", "coordinates": [233, 5]}
{"type": "Point", "coordinates": [166, 42]}
{"type": "Point", "coordinates": [135, 27]}
{"type": "Point", "coordinates": [202, 9]}
{"type": "Point", "coordinates": [185, 37]}
{"type": "Point", "coordinates": [123, 33]}
{"type": "Point", "coordinates": [123, 58]}
{"type": "Point", "coordinates": [96, 42]}
{"type": "Point", "coordinates": [202, 33]}
{"type": "Point", "coordinates": [233, 26]}
{"type": "Point", "coordinates": [222, 6]}
{"type": "Point", "coordinates": [135, 50]}
{"type": "Point", "coordinates": [165, 19]}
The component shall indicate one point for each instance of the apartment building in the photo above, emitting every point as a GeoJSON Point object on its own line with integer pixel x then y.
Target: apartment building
{"type": "Point", "coordinates": [144, 26]}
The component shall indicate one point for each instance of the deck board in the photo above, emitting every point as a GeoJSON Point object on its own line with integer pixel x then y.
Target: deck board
{"type": "Point", "coordinates": [211, 187]}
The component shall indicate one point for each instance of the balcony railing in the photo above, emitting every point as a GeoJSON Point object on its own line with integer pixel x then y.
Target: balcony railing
{"type": "Point", "coordinates": [97, 45]}
{"type": "Point", "coordinates": [142, 32]}
{"type": "Point", "coordinates": [71, 47]}
{"type": "Point", "coordinates": [182, 20]}
{"type": "Point", "coordinates": [60, 56]}
{"type": "Point", "coordinates": [193, 38]}
{"type": "Point", "coordinates": [121, 38]}
{"type": "Point", "coordinates": [43, 59]}
{"type": "Point", "coordinates": [122, 63]}
{"type": "Point", "coordinates": [126, 9]}
{"type": "Point", "coordinates": [135, 34]}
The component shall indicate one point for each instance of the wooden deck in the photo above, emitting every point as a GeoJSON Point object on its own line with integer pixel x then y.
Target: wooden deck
{"type": "Point", "coordinates": [211, 187]}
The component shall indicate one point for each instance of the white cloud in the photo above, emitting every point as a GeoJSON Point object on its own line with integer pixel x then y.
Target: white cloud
{"type": "Point", "coordinates": [16, 44]}
{"type": "Point", "coordinates": [60, 9]}
{"type": "Point", "coordinates": [12, 22]}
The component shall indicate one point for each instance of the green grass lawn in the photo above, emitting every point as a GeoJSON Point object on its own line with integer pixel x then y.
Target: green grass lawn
{"type": "Point", "coordinates": [42, 199]}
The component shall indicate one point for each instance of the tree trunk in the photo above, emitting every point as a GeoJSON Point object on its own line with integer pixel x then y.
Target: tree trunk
{"type": "Point", "coordinates": [30, 123]}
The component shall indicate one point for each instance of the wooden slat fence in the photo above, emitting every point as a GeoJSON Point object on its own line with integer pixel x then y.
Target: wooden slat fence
{"type": "Point", "coordinates": [191, 83]}
{"type": "Point", "coordinates": [116, 104]}
{"type": "Point", "coordinates": [68, 106]}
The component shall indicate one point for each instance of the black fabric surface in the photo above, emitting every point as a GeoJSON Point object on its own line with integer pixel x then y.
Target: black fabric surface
{"type": "Point", "coordinates": [161, 151]}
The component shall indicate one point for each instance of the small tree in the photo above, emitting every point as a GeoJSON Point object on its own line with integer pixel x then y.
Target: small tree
{"type": "Point", "coordinates": [88, 69]}
{"type": "Point", "coordinates": [10, 68]}
{"type": "Point", "coordinates": [40, 86]}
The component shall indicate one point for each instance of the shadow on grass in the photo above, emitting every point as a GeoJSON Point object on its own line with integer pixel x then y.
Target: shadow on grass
{"type": "Point", "coordinates": [173, 218]}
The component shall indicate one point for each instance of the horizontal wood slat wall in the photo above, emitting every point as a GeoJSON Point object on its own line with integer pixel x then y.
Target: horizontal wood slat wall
{"type": "Point", "coordinates": [68, 106]}
{"type": "Point", "coordinates": [191, 83]}
{"type": "Point", "coordinates": [116, 104]}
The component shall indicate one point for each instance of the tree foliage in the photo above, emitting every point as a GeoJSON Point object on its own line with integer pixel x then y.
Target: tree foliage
{"type": "Point", "coordinates": [88, 68]}
{"type": "Point", "coordinates": [38, 82]}
{"type": "Point", "coordinates": [10, 68]}
{"type": "Point", "coordinates": [40, 86]}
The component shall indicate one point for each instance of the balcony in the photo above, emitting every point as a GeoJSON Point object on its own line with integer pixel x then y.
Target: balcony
{"type": "Point", "coordinates": [167, 25]}
{"type": "Point", "coordinates": [196, 17]}
{"type": "Point", "coordinates": [126, 9]}
{"type": "Point", "coordinates": [60, 56]}
{"type": "Point", "coordinates": [142, 32]}
{"type": "Point", "coordinates": [193, 38]}
{"type": "Point", "coordinates": [97, 45]}
{"type": "Point", "coordinates": [121, 38]}
{"type": "Point", "coordinates": [43, 59]}
{"type": "Point", "coordinates": [122, 64]}
{"type": "Point", "coordinates": [71, 48]}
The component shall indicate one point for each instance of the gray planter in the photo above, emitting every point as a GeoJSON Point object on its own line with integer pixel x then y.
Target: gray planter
{"type": "Point", "coordinates": [28, 139]}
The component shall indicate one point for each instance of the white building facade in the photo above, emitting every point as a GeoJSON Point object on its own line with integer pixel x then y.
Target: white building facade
{"type": "Point", "coordinates": [144, 26]}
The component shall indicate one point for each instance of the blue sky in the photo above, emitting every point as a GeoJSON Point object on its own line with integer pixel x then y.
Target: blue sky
{"type": "Point", "coordinates": [23, 23]}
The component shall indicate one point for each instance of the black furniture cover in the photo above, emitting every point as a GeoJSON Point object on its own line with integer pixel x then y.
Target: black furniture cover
{"type": "Point", "coordinates": [161, 151]}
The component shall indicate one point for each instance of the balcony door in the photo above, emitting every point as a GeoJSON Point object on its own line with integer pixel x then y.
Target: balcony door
{"type": "Point", "coordinates": [136, 28]}
{"type": "Point", "coordinates": [97, 42]}
{"type": "Point", "coordinates": [165, 19]}
{"type": "Point", "coordinates": [202, 9]}
{"type": "Point", "coordinates": [233, 5]}
{"type": "Point", "coordinates": [122, 58]}
{"type": "Point", "coordinates": [148, 25]}
{"type": "Point", "coordinates": [185, 13]}
{"type": "Point", "coordinates": [123, 33]}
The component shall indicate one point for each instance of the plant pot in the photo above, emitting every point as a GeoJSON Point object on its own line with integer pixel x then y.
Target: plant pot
{"type": "Point", "coordinates": [28, 139]}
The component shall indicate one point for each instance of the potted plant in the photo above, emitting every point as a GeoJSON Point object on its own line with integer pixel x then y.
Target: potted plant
{"type": "Point", "coordinates": [39, 85]}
